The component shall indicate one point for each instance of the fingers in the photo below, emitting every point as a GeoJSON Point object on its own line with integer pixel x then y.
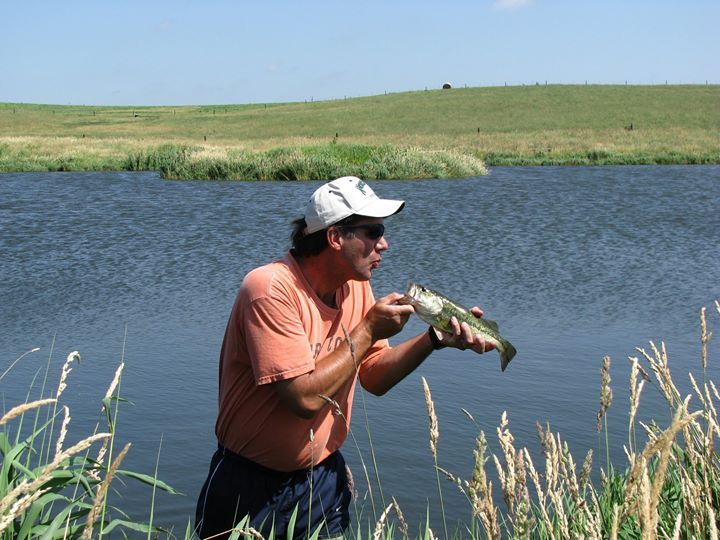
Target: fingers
{"type": "Point", "coordinates": [477, 311]}
{"type": "Point", "coordinates": [463, 338]}
{"type": "Point", "coordinates": [386, 318]}
{"type": "Point", "coordinates": [392, 297]}
{"type": "Point", "coordinates": [391, 301]}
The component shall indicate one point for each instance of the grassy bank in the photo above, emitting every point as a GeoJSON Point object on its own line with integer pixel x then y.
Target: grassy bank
{"type": "Point", "coordinates": [669, 488]}
{"type": "Point", "coordinates": [526, 125]}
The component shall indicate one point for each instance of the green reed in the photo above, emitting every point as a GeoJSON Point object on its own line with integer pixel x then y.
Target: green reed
{"type": "Point", "coordinates": [319, 162]}
{"type": "Point", "coordinates": [52, 489]}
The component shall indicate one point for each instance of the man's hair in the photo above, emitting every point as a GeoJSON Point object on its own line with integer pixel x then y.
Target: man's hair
{"type": "Point", "coordinates": [308, 245]}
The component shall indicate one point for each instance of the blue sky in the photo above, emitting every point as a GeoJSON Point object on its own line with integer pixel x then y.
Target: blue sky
{"type": "Point", "coordinates": [119, 52]}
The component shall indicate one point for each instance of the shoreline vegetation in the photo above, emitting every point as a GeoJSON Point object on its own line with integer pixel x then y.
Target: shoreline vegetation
{"type": "Point", "coordinates": [669, 487]}
{"type": "Point", "coordinates": [423, 134]}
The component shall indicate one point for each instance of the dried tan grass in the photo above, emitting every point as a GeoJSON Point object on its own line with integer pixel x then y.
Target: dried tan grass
{"type": "Point", "coordinates": [480, 492]}
{"type": "Point", "coordinates": [20, 506]}
{"type": "Point", "coordinates": [432, 418]}
{"type": "Point", "coordinates": [116, 380]}
{"type": "Point", "coordinates": [101, 493]}
{"type": "Point", "coordinates": [567, 505]}
{"type": "Point", "coordinates": [22, 409]}
{"type": "Point", "coordinates": [31, 486]}
{"type": "Point", "coordinates": [66, 369]}
{"type": "Point", "coordinates": [63, 430]}
{"type": "Point", "coordinates": [380, 525]}
{"type": "Point", "coordinates": [605, 391]}
{"type": "Point", "coordinates": [635, 391]}
{"type": "Point", "coordinates": [704, 338]}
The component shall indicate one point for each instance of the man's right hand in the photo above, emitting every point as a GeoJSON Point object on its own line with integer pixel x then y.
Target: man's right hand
{"type": "Point", "coordinates": [386, 318]}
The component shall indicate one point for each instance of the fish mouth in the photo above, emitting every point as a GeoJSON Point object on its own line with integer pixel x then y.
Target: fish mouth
{"type": "Point", "coordinates": [411, 295]}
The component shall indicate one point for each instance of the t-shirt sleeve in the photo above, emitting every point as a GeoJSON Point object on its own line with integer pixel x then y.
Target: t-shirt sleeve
{"type": "Point", "coordinates": [276, 341]}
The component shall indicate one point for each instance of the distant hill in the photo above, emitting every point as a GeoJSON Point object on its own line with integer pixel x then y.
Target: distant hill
{"type": "Point", "coordinates": [554, 124]}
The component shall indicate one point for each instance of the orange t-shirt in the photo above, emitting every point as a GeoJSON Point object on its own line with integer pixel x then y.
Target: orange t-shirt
{"type": "Point", "coordinates": [277, 330]}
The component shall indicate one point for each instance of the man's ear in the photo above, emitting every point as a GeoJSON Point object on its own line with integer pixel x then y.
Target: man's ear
{"type": "Point", "coordinates": [334, 238]}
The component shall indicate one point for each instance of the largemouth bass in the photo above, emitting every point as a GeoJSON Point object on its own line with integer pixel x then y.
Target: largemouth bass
{"type": "Point", "coordinates": [437, 310]}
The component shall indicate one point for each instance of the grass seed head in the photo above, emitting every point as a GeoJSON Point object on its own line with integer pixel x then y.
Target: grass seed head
{"type": "Point", "coordinates": [432, 418]}
{"type": "Point", "coordinates": [605, 391]}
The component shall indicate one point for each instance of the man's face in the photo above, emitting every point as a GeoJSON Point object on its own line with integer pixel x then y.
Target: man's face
{"type": "Point", "coordinates": [362, 249]}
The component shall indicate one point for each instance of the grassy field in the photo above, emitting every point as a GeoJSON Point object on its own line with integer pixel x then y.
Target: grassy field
{"type": "Point", "coordinates": [521, 125]}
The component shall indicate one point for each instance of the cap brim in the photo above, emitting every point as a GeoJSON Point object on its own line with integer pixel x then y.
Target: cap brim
{"type": "Point", "coordinates": [381, 208]}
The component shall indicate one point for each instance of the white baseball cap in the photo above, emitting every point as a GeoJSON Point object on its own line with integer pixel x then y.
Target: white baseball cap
{"type": "Point", "coordinates": [344, 197]}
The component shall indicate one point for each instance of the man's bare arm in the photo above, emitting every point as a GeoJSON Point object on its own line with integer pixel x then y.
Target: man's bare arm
{"type": "Point", "coordinates": [398, 362]}
{"type": "Point", "coordinates": [303, 394]}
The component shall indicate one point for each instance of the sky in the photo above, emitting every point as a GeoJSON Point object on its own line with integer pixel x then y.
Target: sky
{"type": "Point", "coordinates": [117, 52]}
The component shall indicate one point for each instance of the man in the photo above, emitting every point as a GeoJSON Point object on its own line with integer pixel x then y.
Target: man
{"type": "Point", "coordinates": [288, 369]}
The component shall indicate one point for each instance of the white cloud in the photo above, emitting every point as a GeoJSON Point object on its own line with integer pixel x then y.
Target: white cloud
{"type": "Point", "coordinates": [511, 4]}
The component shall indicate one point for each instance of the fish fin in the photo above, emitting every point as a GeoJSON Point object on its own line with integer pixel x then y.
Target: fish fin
{"type": "Point", "coordinates": [506, 355]}
{"type": "Point", "coordinates": [492, 324]}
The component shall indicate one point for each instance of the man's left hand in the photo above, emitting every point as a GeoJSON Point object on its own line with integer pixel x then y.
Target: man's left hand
{"type": "Point", "coordinates": [462, 337]}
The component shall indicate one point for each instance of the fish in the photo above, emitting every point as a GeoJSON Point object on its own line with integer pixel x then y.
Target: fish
{"type": "Point", "coordinates": [437, 309]}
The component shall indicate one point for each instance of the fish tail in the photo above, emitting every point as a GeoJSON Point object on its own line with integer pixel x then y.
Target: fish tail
{"type": "Point", "coordinates": [506, 354]}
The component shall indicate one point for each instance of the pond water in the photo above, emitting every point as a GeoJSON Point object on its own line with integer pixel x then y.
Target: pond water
{"type": "Point", "coordinates": [573, 263]}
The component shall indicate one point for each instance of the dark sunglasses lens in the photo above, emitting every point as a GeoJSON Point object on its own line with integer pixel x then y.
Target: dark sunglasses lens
{"type": "Point", "coordinates": [375, 231]}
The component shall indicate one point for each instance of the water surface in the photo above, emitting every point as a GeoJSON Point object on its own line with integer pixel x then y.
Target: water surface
{"type": "Point", "coordinates": [574, 263]}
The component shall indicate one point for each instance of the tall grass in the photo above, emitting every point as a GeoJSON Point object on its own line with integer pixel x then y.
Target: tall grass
{"type": "Point", "coordinates": [668, 488]}
{"type": "Point", "coordinates": [50, 488]}
{"type": "Point", "coordinates": [304, 163]}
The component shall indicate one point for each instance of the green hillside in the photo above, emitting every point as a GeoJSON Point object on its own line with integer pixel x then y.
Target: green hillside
{"type": "Point", "coordinates": [500, 125]}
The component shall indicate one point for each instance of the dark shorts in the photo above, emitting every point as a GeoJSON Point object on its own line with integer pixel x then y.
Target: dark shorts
{"type": "Point", "coordinates": [237, 487]}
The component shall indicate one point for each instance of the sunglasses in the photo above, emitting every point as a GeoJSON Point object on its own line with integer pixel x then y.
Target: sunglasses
{"type": "Point", "coordinates": [373, 231]}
